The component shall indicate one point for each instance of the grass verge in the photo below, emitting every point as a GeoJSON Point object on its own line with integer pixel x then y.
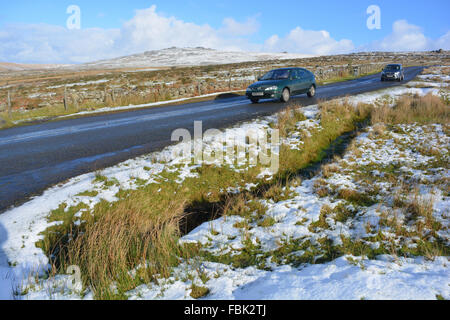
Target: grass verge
{"type": "Point", "coordinates": [135, 240]}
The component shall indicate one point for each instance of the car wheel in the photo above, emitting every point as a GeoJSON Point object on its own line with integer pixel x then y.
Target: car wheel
{"type": "Point", "coordinates": [255, 101]}
{"type": "Point", "coordinates": [286, 95]}
{"type": "Point", "coordinates": [312, 92]}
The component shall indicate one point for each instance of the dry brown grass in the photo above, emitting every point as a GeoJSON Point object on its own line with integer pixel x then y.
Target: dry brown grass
{"type": "Point", "coordinates": [198, 292]}
{"type": "Point", "coordinates": [437, 70]}
{"type": "Point", "coordinates": [379, 130]}
{"type": "Point", "coordinates": [236, 205]}
{"type": "Point", "coordinates": [277, 193]}
{"type": "Point", "coordinates": [329, 169]}
{"type": "Point", "coordinates": [288, 118]}
{"type": "Point", "coordinates": [133, 232]}
{"type": "Point", "coordinates": [412, 109]}
{"type": "Point", "coordinates": [321, 188]}
{"type": "Point", "coordinates": [421, 209]}
{"type": "Point", "coordinates": [355, 197]}
{"type": "Point", "coordinates": [355, 149]}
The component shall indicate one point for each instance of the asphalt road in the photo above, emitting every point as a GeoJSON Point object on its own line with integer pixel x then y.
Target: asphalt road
{"type": "Point", "coordinates": [33, 158]}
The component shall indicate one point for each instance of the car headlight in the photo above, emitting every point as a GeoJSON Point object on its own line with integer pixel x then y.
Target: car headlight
{"type": "Point", "coordinates": [273, 88]}
{"type": "Point", "coordinates": [249, 89]}
{"type": "Point", "coordinates": [397, 74]}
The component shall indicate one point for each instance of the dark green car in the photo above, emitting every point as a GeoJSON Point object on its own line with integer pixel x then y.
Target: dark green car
{"type": "Point", "coordinates": [282, 84]}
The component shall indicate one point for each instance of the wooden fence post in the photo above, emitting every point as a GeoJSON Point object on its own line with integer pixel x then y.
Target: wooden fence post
{"type": "Point", "coordinates": [9, 104]}
{"type": "Point", "coordinates": [65, 98]}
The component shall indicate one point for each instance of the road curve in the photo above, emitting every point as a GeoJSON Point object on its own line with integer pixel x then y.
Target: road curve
{"type": "Point", "coordinates": [33, 158]}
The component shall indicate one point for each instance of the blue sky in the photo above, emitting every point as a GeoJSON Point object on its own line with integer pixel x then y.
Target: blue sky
{"type": "Point", "coordinates": [32, 31]}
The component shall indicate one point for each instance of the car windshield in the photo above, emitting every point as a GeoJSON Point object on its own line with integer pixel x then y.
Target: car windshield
{"type": "Point", "coordinates": [392, 68]}
{"type": "Point", "coordinates": [276, 75]}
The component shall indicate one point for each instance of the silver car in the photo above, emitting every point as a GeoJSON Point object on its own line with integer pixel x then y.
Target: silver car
{"type": "Point", "coordinates": [393, 72]}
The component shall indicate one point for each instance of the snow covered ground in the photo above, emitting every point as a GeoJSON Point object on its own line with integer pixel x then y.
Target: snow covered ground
{"type": "Point", "coordinates": [307, 217]}
{"type": "Point", "coordinates": [293, 230]}
{"type": "Point", "coordinates": [86, 83]}
{"type": "Point", "coordinates": [338, 280]}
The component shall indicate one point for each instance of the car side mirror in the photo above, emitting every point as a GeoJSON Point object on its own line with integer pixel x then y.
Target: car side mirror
{"type": "Point", "coordinates": [259, 78]}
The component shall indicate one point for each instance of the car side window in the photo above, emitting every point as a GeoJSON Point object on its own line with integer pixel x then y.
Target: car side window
{"type": "Point", "coordinates": [301, 74]}
{"type": "Point", "coordinates": [293, 74]}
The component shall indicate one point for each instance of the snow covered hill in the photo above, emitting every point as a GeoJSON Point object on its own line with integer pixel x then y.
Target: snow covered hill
{"type": "Point", "coordinates": [186, 57]}
{"type": "Point", "coordinates": [9, 66]}
{"type": "Point", "coordinates": [170, 57]}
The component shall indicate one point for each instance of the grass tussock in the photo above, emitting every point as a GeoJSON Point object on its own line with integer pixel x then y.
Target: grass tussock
{"type": "Point", "coordinates": [198, 292]}
{"type": "Point", "coordinates": [330, 169]}
{"type": "Point", "coordinates": [414, 109]}
{"type": "Point", "coordinates": [288, 118]}
{"type": "Point", "coordinates": [277, 193]}
{"type": "Point", "coordinates": [134, 233]}
{"type": "Point", "coordinates": [356, 197]}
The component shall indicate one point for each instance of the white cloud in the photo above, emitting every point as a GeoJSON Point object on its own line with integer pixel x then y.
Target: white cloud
{"type": "Point", "coordinates": [43, 43]}
{"type": "Point", "coordinates": [148, 30]}
{"type": "Point", "coordinates": [308, 42]}
{"type": "Point", "coordinates": [443, 42]}
{"type": "Point", "coordinates": [234, 28]}
{"type": "Point", "coordinates": [409, 37]}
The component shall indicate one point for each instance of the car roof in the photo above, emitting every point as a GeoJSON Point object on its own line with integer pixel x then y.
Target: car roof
{"type": "Point", "coordinates": [283, 69]}
{"type": "Point", "coordinates": [394, 64]}
{"type": "Point", "coordinates": [291, 68]}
